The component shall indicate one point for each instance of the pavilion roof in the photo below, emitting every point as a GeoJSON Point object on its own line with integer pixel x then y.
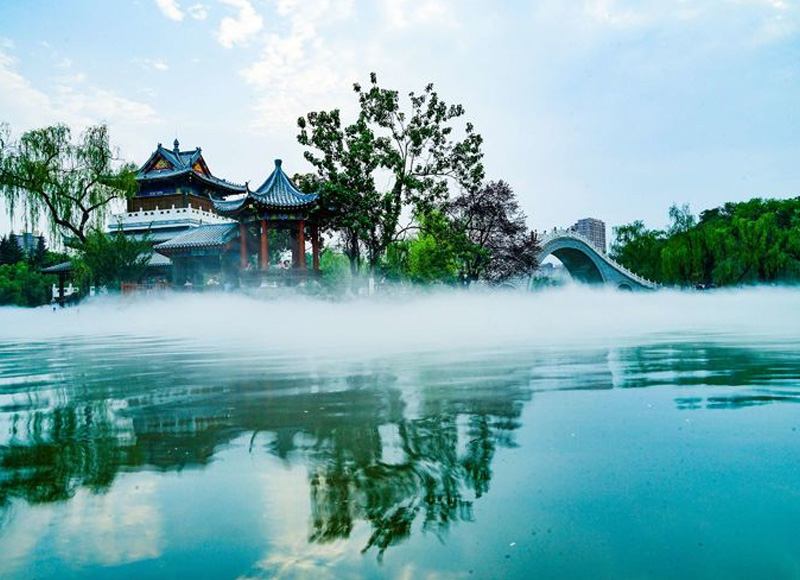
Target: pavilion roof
{"type": "Point", "coordinates": [276, 193]}
{"type": "Point", "coordinates": [178, 163]}
{"type": "Point", "coordinates": [58, 268]}
{"type": "Point", "coordinates": [208, 236]}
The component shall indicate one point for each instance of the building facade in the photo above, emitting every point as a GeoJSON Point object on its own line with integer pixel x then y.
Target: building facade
{"type": "Point", "coordinates": [594, 230]}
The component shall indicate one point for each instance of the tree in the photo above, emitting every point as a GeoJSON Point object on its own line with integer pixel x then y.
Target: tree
{"type": "Point", "coordinates": [112, 258]}
{"type": "Point", "coordinates": [492, 238]}
{"type": "Point", "coordinates": [682, 219]}
{"type": "Point", "coordinates": [638, 249]}
{"type": "Point", "coordinates": [415, 148]}
{"type": "Point", "coordinates": [10, 252]}
{"type": "Point", "coordinates": [751, 242]}
{"type": "Point", "coordinates": [73, 184]}
{"type": "Point", "coordinates": [346, 164]}
{"type": "Point", "coordinates": [435, 254]}
{"type": "Point", "coordinates": [23, 285]}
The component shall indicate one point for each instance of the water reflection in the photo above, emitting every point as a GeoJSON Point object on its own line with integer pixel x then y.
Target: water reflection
{"type": "Point", "coordinates": [378, 449]}
{"type": "Point", "coordinates": [394, 445]}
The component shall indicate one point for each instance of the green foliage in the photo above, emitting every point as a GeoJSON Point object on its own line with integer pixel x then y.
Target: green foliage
{"type": "Point", "coordinates": [45, 173]}
{"type": "Point", "coordinates": [22, 285]}
{"type": "Point", "coordinates": [430, 260]}
{"type": "Point", "coordinates": [752, 242]}
{"type": "Point", "coordinates": [413, 144]}
{"type": "Point", "coordinates": [10, 252]}
{"type": "Point", "coordinates": [111, 259]}
{"type": "Point", "coordinates": [638, 249]}
{"type": "Point", "coordinates": [335, 270]}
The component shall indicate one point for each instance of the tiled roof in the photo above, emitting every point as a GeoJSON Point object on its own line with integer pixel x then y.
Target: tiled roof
{"type": "Point", "coordinates": [58, 268]}
{"type": "Point", "coordinates": [182, 163]}
{"type": "Point", "coordinates": [157, 260]}
{"type": "Point", "coordinates": [277, 192]}
{"type": "Point", "coordinates": [200, 237]}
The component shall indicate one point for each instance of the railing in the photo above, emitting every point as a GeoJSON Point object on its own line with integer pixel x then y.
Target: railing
{"type": "Point", "coordinates": [277, 277]}
{"type": "Point", "coordinates": [133, 288]}
{"type": "Point", "coordinates": [563, 233]}
{"type": "Point", "coordinates": [155, 215]}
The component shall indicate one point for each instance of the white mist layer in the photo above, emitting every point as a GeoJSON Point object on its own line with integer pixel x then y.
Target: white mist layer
{"type": "Point", "coordinates": [441, 321]}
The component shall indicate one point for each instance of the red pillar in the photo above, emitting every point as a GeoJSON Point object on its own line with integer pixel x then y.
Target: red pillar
{"type": "Point", "coordinates": [243, 246]}
{"type": "Point", "coordinates": [264, 256]}
{"type": "Point", "coordinates": [315, 246]}
{"type": "Point", "coordinates": [301, 244]}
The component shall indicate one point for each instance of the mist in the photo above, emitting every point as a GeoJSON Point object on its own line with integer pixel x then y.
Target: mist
{"type": "Point", "coordinates": [441, 321]}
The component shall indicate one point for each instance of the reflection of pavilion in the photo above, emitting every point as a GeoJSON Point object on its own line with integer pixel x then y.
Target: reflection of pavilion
{"type": "Point", "coordinates": [205, 228]}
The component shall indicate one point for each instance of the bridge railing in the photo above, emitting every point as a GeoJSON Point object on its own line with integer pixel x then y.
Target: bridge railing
{"type": "Point", "coordinates": [565, 233]}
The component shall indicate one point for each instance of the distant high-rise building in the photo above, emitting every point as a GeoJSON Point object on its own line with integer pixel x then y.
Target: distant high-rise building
{"type": "Point", "coordinates": [593, 229]}
{"type": "Point", "coordinates": [27, 242]}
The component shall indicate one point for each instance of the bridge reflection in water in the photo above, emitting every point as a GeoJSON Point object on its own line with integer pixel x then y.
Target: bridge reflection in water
{"type": "Point", "coordinates": [585, 263]}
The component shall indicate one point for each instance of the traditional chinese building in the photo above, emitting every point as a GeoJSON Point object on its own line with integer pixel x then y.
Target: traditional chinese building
{"type": "Point", "coordinates": [209, 229]}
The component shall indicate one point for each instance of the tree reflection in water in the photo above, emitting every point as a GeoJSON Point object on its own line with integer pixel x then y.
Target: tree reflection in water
{"type": "Point", "coordinates": [91, 422]}
{"type": "Point", "coordinates": [399, 445]}
{"type": "Point", "coordinates": [440, 472]}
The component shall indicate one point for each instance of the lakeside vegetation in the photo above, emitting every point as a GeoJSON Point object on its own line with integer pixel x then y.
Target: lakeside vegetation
{"type": "Point", "coordinates": [751, 242]}
{"type": "Point", "coordinates": [21, 282]}
{"type": "Point", "coordinates": [435, 221]}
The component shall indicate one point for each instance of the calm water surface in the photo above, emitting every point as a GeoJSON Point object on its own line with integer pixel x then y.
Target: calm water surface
{"type": "Point", "coordinates": [134, 457]}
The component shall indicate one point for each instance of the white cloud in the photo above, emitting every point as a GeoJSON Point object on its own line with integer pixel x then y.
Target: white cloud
{"type": "Point", "coordinates": [6, 43]}
{"type": "Point", "coordinates": [241, 29]}
{"type": "Point", "coordinates": [64, 63]}
{"type": "Point", "coordinates": [26, 106]}
{"type": "Point", "coordinates": [71, 79]}
{"type": "Point", "coordinates": [402, 14]}
{"type": "Point", "coordinates": [171, 9]}
{"type": "Point", "coordinates": [148, 92]}
{"type": "Point", "coordinates": [151, 64]}
{"type": "Point", "coordinates": [298, 70]}
{"type": "Point", "coordinates": [198, 11]}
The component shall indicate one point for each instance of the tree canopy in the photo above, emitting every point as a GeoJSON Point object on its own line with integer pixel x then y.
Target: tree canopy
{"type": "Point", "coordinates": [109, 259]}
{"type": "Point", "coordinates": [497, 243]}
{"type": "Point", "coordinates": [756, 241]}
{"type": "Point", "coordinates": [409, 145]}
{"type": "Point", "coordinates": [45, 174]}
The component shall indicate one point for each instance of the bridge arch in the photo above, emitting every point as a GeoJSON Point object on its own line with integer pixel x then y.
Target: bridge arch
{"type": "Point", "coordinates": [585, 263]}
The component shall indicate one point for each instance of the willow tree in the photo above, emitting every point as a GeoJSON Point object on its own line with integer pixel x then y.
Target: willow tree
{"type": "Point", "coordinates": [71, 184]}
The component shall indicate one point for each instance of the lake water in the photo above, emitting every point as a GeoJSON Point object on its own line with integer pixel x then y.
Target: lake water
{"type": "Point", "coordinates": [570, 434]}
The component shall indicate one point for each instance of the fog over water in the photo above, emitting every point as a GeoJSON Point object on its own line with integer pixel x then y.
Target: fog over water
{"type": "Point", "coordinates": [444, 320]}
{"type": "Point", "coordinates": [570, 433]}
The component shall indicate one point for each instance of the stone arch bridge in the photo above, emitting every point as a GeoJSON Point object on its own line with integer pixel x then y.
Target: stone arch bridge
{"type": "Point", "coordinates": [585, 263]}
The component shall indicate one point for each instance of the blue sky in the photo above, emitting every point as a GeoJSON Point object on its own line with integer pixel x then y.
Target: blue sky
{"type": "Point", "coordinates": [605, 108]}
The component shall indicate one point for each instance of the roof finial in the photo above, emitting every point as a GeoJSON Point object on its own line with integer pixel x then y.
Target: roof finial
{"type": "Point", "coordinates": [278, 162]}
{"type": "Point", "coordinates": [176, 145]}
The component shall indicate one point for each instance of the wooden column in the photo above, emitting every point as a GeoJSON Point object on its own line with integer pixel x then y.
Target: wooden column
{"type": "Point", "coordinates": [301, 244]}
{"type": "Point", "coordinates": [243, 249]}
{"type": "Point", "coordinates": [315, 246]}
{"type": "Point", "coordinates": [264, 255]}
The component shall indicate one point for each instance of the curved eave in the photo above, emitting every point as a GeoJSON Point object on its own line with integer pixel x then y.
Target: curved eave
{"type": "Point", "coordinates": [236, 208]}
{"type": "Point", "coordinates": [233, 188]}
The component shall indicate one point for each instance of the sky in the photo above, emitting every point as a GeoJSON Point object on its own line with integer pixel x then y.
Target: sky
{"type": "Point", "coordinates": [612, 109]}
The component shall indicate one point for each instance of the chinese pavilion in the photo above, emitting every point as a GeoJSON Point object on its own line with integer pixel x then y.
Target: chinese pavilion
{"type": "Point", "coordinates": [206, 228]}
{"type": "Point", "coordinates": [277, 203]}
